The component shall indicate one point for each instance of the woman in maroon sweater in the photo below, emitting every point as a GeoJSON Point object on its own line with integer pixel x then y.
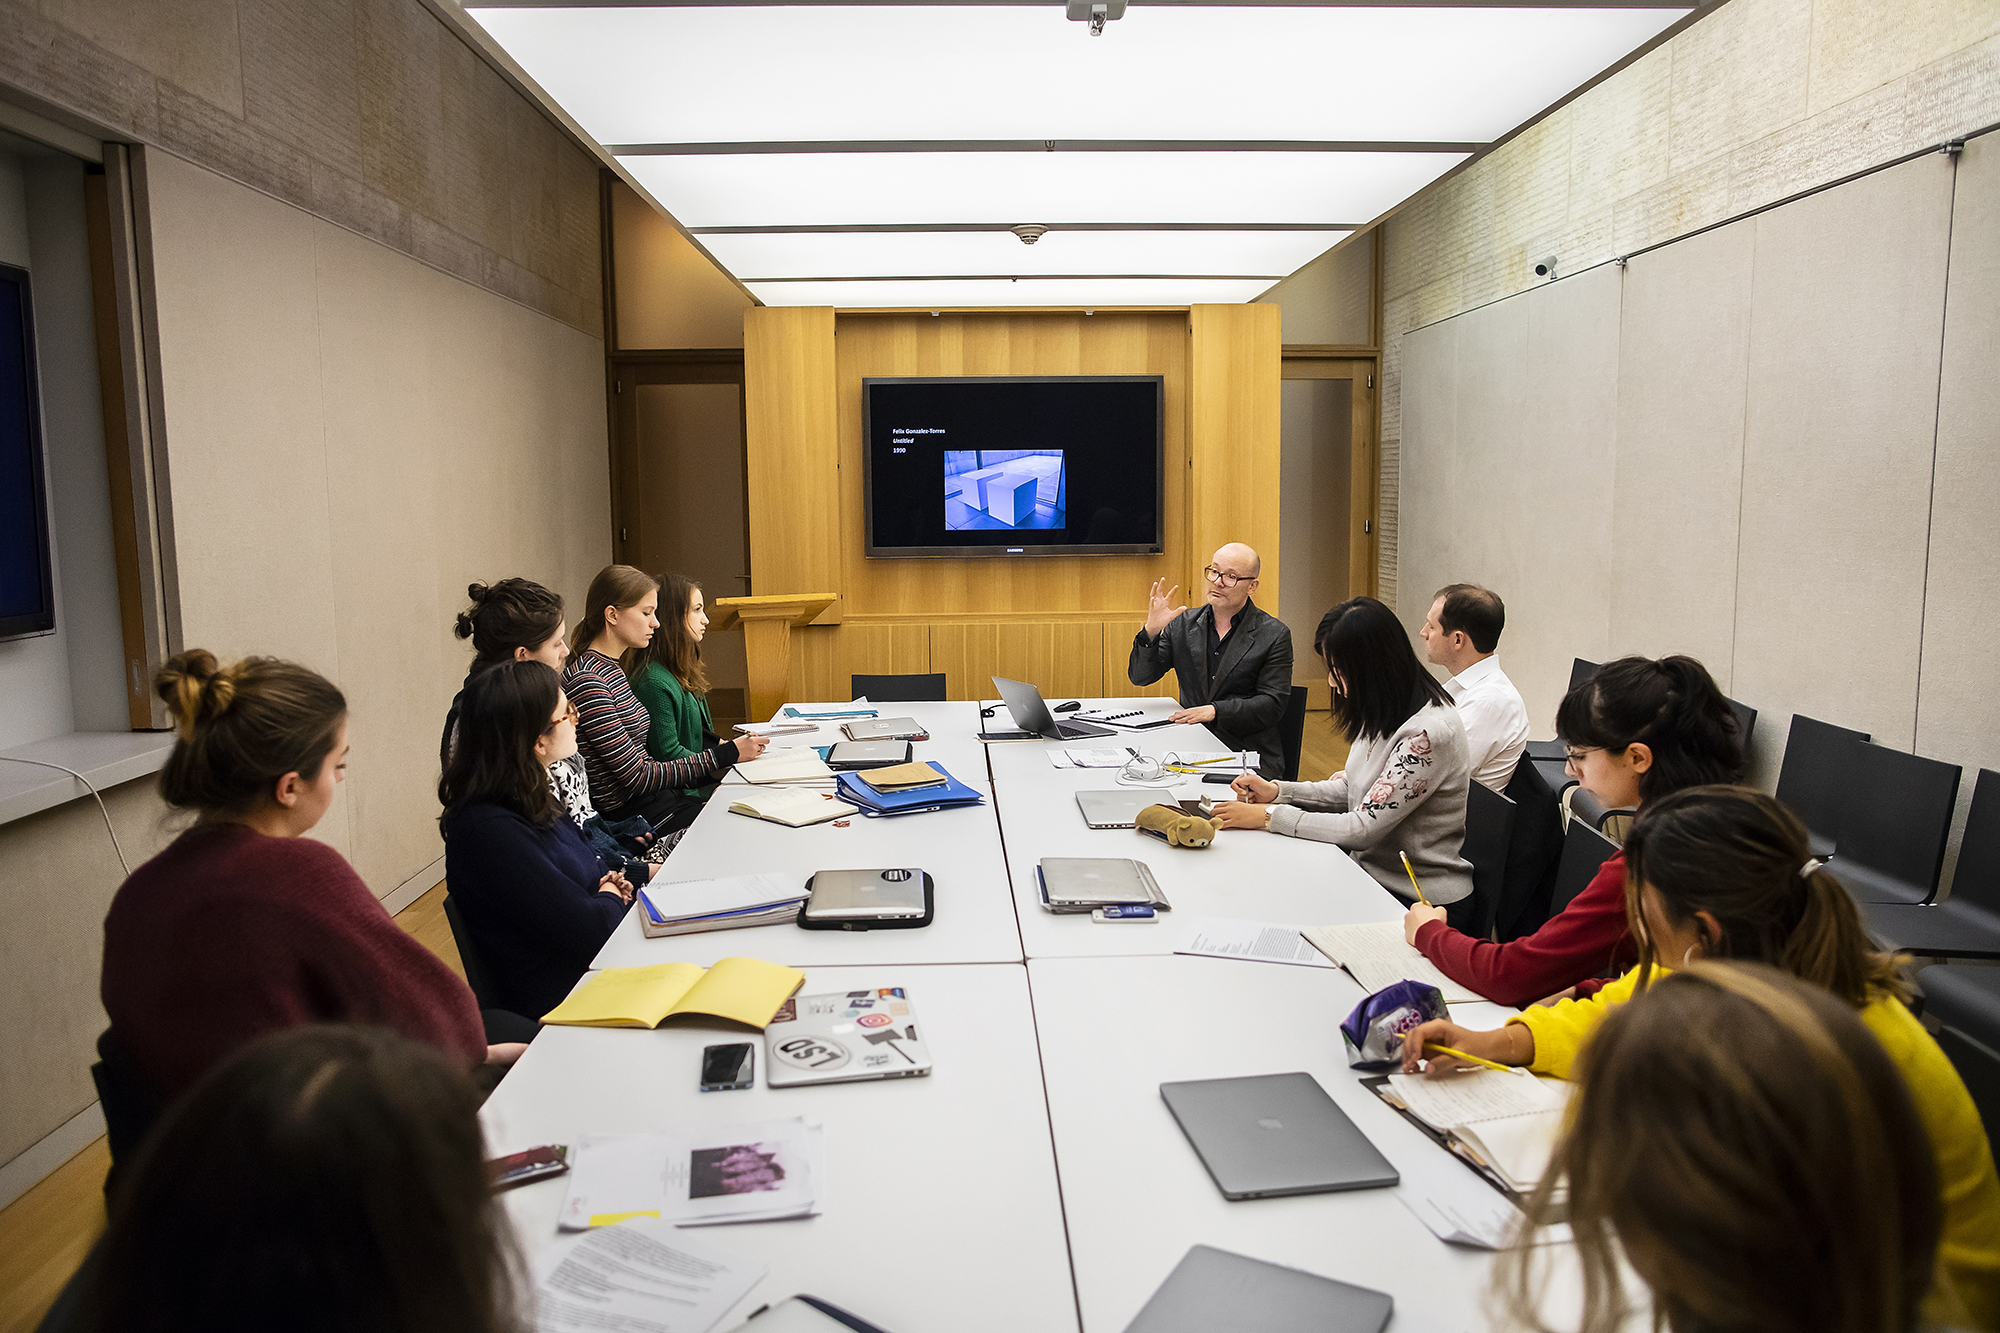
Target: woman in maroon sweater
{"type": "Point", "coordinates": [1636, 730]}
{"type": "Point", "coordinates": [242, 926]}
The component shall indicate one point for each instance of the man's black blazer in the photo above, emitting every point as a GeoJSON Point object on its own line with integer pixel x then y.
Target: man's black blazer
{"type": "Point", "coordinates": [1253, 681]}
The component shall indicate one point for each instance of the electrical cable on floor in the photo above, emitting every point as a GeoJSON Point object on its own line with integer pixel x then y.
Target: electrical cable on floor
{"type": "Point", "coordinates": [40, 763]}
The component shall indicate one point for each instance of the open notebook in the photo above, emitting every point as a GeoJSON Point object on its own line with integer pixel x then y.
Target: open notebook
{"type": "Point", "coordinates": [792, 806]}
{"type": "Point", "coordinates": [1510, 1122]}
{"type": "Point", "coordinates": [1376, 955]}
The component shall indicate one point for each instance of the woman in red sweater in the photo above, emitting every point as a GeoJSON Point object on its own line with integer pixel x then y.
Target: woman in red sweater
{"type": "Point", "coordinates": [243, 926]}
{"type": "Point", "coordinates": [1636, 730]}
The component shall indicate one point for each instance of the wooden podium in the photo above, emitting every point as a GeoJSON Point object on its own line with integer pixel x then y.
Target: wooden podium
{"type": "Point", "coordinates": [767, 639]}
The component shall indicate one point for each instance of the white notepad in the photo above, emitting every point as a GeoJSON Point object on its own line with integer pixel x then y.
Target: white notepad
{"type": "Point", "coordinates": [1510, 1120]}
{"type": "Point", "coordinates": [800, 765]}
{"type": "Point", "coordinates": [1377, 955]}
{"type": "Point", "coordinates": [791, 806]}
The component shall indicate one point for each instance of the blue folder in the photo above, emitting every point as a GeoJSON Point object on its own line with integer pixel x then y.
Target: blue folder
{"type": "Point", "coordinates": [953, 794]}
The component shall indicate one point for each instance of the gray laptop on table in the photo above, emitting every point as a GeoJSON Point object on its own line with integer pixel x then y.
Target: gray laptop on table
{"type": "Point", "coordinates": [1024, 704]}
{"type": "Point", "coordinates": [1275, 1134]}
{"type": "Point", "coordinates": [1213, 1289]}
{"type": "Point", "coordinates": [1116, 809]}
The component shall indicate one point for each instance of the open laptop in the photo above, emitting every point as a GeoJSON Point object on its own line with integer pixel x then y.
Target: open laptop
{"type": "Point", "coordinates": [1211, 1289]}
{"type": "Point", "coordinates": [1024, 703]}
{"type": "Point", "coordinates": [1275, 1134]}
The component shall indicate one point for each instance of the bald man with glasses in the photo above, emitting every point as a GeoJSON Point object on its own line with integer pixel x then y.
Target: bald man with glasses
{"type": "Point", "coordinates": [1233, 660]}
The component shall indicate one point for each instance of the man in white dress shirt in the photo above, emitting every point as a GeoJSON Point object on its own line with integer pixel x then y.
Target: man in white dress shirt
{"type": "Point", "coordinates": [1460, 635]}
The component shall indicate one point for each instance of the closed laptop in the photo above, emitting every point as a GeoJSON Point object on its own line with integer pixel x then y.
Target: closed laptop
{"type": "Point", "coordinates": [1275, 1134]}
{"type": "Point", "coordinates": [1212, 1289]}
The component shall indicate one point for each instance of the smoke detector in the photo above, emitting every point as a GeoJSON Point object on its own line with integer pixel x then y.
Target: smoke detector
{"type": "Point", "coordinates": [1029, 232]}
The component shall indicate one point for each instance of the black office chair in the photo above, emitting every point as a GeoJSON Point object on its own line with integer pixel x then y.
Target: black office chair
{"type": "Point", "coordinates": [1746, 722]}
{"type": "Point", "coordinates": [1533, 852]}
{"type": "Point", "coordinates": [1965, 1002]}
{"type": "Point", "coordinates": [1293, 729]}
{"type": "Point", "coordinates": [476, 974]}
{"type": "Point", "coordinates": [1611, 821]}
{"type": "Point", "coordinates": [129, 1103]}
{"type": "Point", "coordinates": [1584, 853]}
{"type": "Point", "coordinates": [1816, 776]}
{"type": "Point", "coordinates": [1489, 828]}
{"type": "Point", "coordinates": [913, 689]}
{"type": "Point", "coordinates": [1894, 822]}
{"type": "Point", "coordinates": [1555, 750]}
{"type": "Point", "coordinates": [1967, 924]}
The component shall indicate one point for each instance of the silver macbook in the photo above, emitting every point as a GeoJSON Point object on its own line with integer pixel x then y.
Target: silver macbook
{"type": "Point", "coordinates": [1275, 1134]}
{"type": "Point", "coordinates": [1025, 706]}
{"type": "Point", "coordinates": [1213, 1289]}
{"type": "Point", "coordinates": [1115, 809]}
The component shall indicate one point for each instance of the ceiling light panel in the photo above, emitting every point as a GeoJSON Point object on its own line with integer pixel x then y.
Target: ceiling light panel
{"type": "Point", "coordinates": [767, 189]}
{"type": "Point", "coordinates": [998, 253]}
{"type": "Point", "coordinates": [1085, 292]}
{"type": "Point", "coordinates": [714, 74]}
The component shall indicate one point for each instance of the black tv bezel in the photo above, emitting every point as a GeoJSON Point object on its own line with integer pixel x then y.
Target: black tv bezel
{"type": "Point", "coordinates": [1156, 547]}
{"type": "Point", "coordinates": [34, 624]}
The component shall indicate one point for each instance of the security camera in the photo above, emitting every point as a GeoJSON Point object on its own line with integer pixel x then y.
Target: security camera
{"type": "Point", "coordinates": [1545, 268]}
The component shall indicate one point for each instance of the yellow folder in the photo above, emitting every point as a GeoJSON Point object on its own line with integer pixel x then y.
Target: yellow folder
{"type": "Point", "coordinates": [747, 990]}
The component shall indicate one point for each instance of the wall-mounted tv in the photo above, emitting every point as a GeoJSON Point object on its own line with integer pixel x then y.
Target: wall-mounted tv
{"type": "Point", "coordinates": [1014, 465]}
{"type": "Point", "coordinates": [27, 584]}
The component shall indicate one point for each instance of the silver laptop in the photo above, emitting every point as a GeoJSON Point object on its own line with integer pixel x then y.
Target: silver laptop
{"type": "Point", "coordinates": [1024, 704]}
{"type": "Point", "coordinates": [1212, 1289]}
{"type": "Point", "coordinates": [1116, 809]}
{"type": "Point", "coordinates": [844, 1037]}
{"type": "Point", "coordinates": [1275, 1134]}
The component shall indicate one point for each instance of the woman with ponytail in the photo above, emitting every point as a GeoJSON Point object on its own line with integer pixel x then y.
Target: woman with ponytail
{"type": "Point", "coordinates": [618, 624]}
{"type": "Point", "coordinates": [514, 620]}
{"type": "Point", "coordinates": [1726, 873]}
{"type": "Point", "coordinates": [243, 925]}
{"type": "Point", "coordinates": [1637, 730]}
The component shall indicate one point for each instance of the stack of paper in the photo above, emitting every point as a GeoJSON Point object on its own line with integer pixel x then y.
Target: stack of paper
{"type": "Point", "coordinates": [640, 1277]}
{"type": "Point", "coordinates": [1376, 955]}
{"type": "Point", "coordinates": [775, 728]}
{"type": "Point", "coordinates": [748, 990]}
{"type": "Point", "coordinates": [800, 765]}
{"type": "Point", "coordinates": [718, 904]}
{"type": "Point", "coordinates": [1256, 941]}
{"type": "Point", "coordinates": [1105, 758]}
{"type": "Point", "coordinates": [759, 1172]}
{"type": "Point", "coordinates": [793, 807]}
{"type": "Point", "coordinates": [1509, 1121]}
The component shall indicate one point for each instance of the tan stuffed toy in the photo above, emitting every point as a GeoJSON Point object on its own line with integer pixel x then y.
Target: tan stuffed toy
{"type": "Point", "coordinates": [1176, 827]}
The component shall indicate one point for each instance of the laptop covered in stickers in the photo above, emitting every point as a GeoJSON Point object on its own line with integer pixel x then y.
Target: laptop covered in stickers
{"type": "Point", "coordinates": [845, 1037]}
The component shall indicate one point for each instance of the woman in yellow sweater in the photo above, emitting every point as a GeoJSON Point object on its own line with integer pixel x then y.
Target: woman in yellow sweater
{"type": "Point", "coordinates": [1724, 872]}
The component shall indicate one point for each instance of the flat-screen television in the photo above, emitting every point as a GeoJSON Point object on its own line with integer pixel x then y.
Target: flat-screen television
{"type": "Point", "coordinates": [27, 583]}
{"type": "Point", "coordinates": [1014, 465]}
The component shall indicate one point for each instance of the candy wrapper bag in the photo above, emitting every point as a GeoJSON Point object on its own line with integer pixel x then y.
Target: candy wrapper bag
{"type": "Point", "coordinates": [1374, 1031]}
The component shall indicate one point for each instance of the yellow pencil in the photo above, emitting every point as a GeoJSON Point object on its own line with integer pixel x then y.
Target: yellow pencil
{"type": "Point", "coordinates": [1413, 879]}
{"type": "Point", "coordinates": [1430, 1046]}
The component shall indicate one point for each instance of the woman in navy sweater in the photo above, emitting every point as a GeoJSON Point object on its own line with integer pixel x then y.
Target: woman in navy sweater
{"type": "Point", "coordinates": [537, 901]}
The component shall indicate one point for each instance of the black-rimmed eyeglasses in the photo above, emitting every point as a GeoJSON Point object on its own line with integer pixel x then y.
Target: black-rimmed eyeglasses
{"type": "Point", "coordinates": [1222, 580]}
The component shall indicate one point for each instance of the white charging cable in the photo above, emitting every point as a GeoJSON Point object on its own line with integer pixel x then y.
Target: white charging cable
{"type": "Point", "coordinates": [38, 763]}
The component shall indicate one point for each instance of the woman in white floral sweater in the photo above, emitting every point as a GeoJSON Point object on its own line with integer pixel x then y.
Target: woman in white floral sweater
{"type": "Point", "coordinates": [1404, 788]}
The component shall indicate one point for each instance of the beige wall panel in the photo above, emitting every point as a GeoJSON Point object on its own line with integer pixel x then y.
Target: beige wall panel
{"type": "Point", "coordinates": [796, 523]}
{"type": "Point", "coordinates": [1118, 684]}
{"type": "Point", "coordinates": [1839, 426]}
{"type": "Point", "coordinates": [1958, 710]}
{"type": "Point", "coordinates": [669, 294]}
{"type": "Point", "coordinates": [1064, 658]}
{"type": "Point", "coordinates": [887, 346]}
{"type": "Point", "coordinates": [61, 874]}
{"type": "Point", "coordinates": [1683, 345]}
{"type": "Point", "coordinates": [1233, 435]}
{"type": "Point", "coordinates": [1328, 303]}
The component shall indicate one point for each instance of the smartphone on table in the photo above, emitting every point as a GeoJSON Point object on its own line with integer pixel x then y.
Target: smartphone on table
{"type": "Point", "coordinates": [726, 1068]}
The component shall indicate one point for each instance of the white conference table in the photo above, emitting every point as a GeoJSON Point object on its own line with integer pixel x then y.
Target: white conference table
{"type": "Point", "coordinates": [940, 1208]}
{"type": "Point", "coordinates": [1047, 1070]}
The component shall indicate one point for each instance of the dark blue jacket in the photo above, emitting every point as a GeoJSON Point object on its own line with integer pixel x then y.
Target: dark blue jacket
{"type": "Point", "coordinates": [528, 897]}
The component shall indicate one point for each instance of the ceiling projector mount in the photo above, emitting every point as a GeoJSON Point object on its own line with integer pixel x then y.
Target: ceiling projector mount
{"type": "Point", "coordinates": [1096, 13]}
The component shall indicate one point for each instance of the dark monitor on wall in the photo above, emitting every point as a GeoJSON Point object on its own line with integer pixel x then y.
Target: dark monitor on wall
{"type": "Point", "coordinates": [1000, 466]}
{"type": "Point", "coordinates": [27, 581]}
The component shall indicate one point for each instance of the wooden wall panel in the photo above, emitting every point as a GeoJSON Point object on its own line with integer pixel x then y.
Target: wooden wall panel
{"type": "Point", "coordinates": [794, 475]}
{"type": "Point", "coordinates": [1117, 660]}
{"type": "Point", "coordinates": [825, 658]}
{"type": "Point", "coordinates": [1064, 658]}
{"type": "Point", "coordinates": [1235, 359]}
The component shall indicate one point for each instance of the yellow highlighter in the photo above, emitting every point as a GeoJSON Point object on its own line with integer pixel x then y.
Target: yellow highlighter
{"type": "Point", "coordinates": [1431, 1046]}
{"type": "Point", "coordinates": [1413, 879]}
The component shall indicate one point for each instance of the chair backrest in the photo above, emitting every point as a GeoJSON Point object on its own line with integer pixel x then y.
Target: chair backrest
{"type": "Point", "coordinates": [1533, 851]}
{"type": "Point", "coordinates": [1896, 818]}
{"type": "Point", "coordinates": [1978, 1065]}
{"type": "Point", "coordinates": [1293, 729]}
{"type": "Point", "coordinates": [1817, 774]}
{"type": "Point", "coordinates": [1585, 851]}
{"type": "Point", "coordinates": [469, 957]}
{"type": "Point", "coordinates": [1580, 671]}
{"type": "Point", "coordinates": [129, 1103]}
{"type": "Point", "coordinates": [1746, 722]}
{"type": "Point", "coordinates": [1489, 828]}
{"type": "Point", "coordinates": [1977, 877]}
{"type": "Point", "coordinates": [915, 689]}
{"type": "Point", "coordinates": [1611, 822]}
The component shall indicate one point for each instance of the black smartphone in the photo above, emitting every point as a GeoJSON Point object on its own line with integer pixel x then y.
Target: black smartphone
{"type": "Point", "coordinates": [726, 1068]}
{"type": "Point", "coordinates": [503, 1173]}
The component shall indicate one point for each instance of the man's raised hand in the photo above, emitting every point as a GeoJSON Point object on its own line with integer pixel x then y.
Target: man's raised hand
{"type": "Point", "coordinates": [1160, 608]}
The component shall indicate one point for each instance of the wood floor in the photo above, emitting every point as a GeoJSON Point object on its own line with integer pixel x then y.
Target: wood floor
{"type": "Point", "coordinates": [46, 1232]}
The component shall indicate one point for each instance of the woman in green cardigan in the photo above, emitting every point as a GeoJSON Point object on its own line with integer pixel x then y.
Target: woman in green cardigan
{"type": "Point", "coordinates": [668, 677]}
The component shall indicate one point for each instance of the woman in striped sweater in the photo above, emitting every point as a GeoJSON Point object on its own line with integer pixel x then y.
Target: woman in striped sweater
{"type": "Point", "coordinates": [621, 618]}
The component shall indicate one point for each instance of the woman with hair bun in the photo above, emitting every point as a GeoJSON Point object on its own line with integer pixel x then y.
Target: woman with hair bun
{"type": "Point", "coordinates": [1726, 873]}
{"type": "Point", "coordinates": [1637, 730]}
{"type": "Point", "coordinates": [243, 926]}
